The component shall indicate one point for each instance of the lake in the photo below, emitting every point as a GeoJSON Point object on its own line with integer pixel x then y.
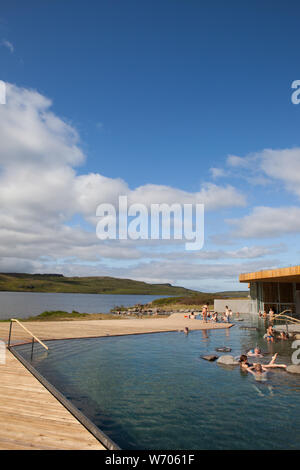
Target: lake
{"type": "Point", "coordinates": [25, 304]}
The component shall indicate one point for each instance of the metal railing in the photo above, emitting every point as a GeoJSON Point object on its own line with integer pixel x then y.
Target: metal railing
{"type": "Point", "coordinates": [34, 338]}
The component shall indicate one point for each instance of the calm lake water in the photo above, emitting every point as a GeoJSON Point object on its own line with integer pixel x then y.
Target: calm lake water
{"type": "Point", "coordinates": [25, 304]}
{"type": "Point", "coordinates": [155, 392]}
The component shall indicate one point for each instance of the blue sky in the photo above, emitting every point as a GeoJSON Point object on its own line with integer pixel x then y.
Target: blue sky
{"type": "Point", "coordinates": [162, 93]}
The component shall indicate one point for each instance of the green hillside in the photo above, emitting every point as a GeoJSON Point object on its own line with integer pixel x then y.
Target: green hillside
{"type": "Point", "coordinates": [199, 298]}
{"type": "Point", "coordinates": [19, 282]}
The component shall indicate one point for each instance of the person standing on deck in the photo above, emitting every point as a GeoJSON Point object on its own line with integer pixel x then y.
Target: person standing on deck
{"type": "Point", "coordinates": [204, 312]}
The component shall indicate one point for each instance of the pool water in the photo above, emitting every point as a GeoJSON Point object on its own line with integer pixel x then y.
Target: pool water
{"type": "Point", "coordinates": [153, 391]}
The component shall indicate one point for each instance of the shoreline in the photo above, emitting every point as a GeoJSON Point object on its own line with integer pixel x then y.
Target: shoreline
{"type": "Point", "coordinates": [49, 330]}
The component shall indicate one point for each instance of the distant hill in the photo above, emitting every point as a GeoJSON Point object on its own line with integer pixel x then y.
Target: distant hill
{"type": "Point", "coordinates": [22, 282]}
{"type": "Point", "coordinates": [228, 294]}
{"type": "Point", "coordinates": [199, 298]}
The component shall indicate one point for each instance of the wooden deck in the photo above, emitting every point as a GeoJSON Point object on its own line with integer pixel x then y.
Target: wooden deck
{"type": "Point", "coordinates": [30, 417]}
{"type": "Point", "coordinates": [94, 328]}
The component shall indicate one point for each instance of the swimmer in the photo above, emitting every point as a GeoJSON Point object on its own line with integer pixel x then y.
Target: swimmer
{"type": "Point", "coordinates": [256, 352]}
{"type": "Point", "coordinates": [244, 362]}
{"type": "Point", "coordinates": [272, 363]}
{"type": "Point", "coordinates": [271, 313]}
{"type": "Point", "coordinates": [283, 335]}
{"type": "Point", "coordinates": [186, 330]}
{"type": "Point", "coordinates": [260, 370]}
{"type": "Point", "coordinates": [270, 334]}
{"type": "Point", "coordinates": [215, 317]}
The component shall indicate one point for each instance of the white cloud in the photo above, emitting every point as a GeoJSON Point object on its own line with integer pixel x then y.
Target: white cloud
{"type": "Point", "coordinates": [217, 172]}
{"type": "Point", "coordinates": [235, 161]}
{"type": "Point", "coordinates": [212, 196]}
{"type": "Point", "coordinates": [279, 166]}
{"type": "Point", "coordinates": [246, 252]}
{"type": "Point", "coordinates": [41, 191]}
{"type": "Point", "coordinates": [282, 165]}
{"type": "Point", "coordinates": [8, 45]}
{"type": "Point", "coordinates": [178, 272]}
{"type": "Point", "coordinates": [264, 222]}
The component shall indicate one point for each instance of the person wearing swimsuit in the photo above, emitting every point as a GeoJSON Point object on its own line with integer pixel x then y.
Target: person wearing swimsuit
{"type": "Point", "coordinates": [270, 334]}
{"type": "Point", "coordinates": [260, 370]}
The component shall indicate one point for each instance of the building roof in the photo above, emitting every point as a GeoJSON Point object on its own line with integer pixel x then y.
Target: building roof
{"type": "Point", "coordinates": [290, 274]}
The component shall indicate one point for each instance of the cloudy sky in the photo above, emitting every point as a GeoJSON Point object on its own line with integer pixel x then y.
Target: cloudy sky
{"type": "Point", "coordinates": [163, 101]}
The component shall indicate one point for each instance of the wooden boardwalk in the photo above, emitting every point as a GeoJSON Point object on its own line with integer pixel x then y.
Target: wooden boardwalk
{"type": "Point", "coordinates": [30, 417]}
{"type": "Point", "coordinates": [94, 328]}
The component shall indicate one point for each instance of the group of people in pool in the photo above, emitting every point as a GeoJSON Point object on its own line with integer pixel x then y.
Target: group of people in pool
{"type": "Point", "coordinates": [264, 314]}
{"type": "Point", "coordinates": [214, 316]}
{"type": "Point", "coordinates": [257, 369]}
{"type": "Point", "coordinates": [270, 335]}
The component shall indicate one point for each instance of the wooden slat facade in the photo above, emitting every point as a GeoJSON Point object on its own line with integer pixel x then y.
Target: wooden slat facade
{"type": "Point", "coordinates": [290, 274]}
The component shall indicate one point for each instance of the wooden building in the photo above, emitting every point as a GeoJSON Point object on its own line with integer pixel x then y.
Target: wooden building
{"type": "Point", "coordinates": [278, 289]}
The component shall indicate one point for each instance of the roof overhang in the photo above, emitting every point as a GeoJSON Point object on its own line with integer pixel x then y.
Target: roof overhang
{"type": "Point", "coordinates": [290, 274]}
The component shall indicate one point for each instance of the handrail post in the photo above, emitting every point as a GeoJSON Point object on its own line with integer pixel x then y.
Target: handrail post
{"type": "Point", "coordinates": [34, 337]}
{"type": "Point", "coordinates": [32, 345]}
{"type": "Point", "coordinates": [9, 335]}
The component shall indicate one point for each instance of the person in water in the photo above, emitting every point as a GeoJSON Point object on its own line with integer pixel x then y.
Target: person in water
{"type": "Point", "coordinates": [260, 370]}
{"type": "Point", "coordinates": [271, 314]}
{"type": "Point", "coordinates": [283, 335]}
{"type": "Point", "coordinates": [244, 362]}
{"type": "Point", "coordinates": [214, 317]}
{"type": "Point", "coordinates": [256, 352]}
{"type": "Point", "coordinates": [270, 334]}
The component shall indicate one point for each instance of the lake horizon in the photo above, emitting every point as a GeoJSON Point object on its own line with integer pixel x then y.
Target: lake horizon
{"type": "Point", "coordinates": [24, 304]}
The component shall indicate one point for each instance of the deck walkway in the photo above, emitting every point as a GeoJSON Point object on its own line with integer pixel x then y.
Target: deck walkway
{"type": "Point", "coordinates": [94, 328]}
{"type": "Point", "coordinates": [31, 418]}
